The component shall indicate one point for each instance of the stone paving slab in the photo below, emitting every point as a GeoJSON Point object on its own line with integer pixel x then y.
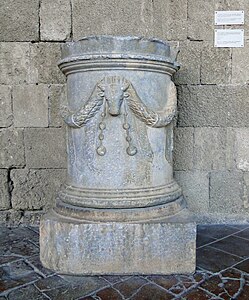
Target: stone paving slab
{"type": "Point", "coordinates": [222, 271]}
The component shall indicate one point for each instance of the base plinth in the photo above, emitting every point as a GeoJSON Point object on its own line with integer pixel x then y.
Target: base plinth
{"type": "Point", "coordinates": [70, 246]}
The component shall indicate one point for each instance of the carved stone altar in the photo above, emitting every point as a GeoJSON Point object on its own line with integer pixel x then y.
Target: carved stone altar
{"type": "Point", "coordinates": [120, 211]}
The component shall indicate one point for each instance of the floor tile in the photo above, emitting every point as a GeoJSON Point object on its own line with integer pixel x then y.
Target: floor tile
{"type": "Point", "coordinates": [16, 274]}
{"type": "Point", "coordinates": [36, 263]}
{"type": "Point", "coordinates": [109, 294]}
{"type": "Point", "coordinates": [233, 245]}
{"type": "Point", "coordinates": [129, 286]}
{"type": "Point", "coordinates": [51, 282]}
{"type": "Point", "coordinates": [232, 273]}
{"type": "Point", "coordinates": [190, 280]}
{"type": "Point", "coordinates": [216, 231]}
{"type": "Point", "coordinates": [202, 240]}
{"type": "Point", "coordinates": [214, 260]}
{"type": "Point", "coordinates": [71, 292]}
{"type": "Point", "coordinates": [4, 259]}
{"type": "Point", "coordinates": [244, 295]}
{"type": "Point", "coordinates": [213, 285]}
{"type": "Point", "coordinates": [86, 281]}
{"type": "Point", "coordinates": [19, 247]}
{"type": "Point", "coordinates": [151, 292]}
{"type": "Point", "coordinates": [125, 277]}
{"type": "Point", "coordinates": [239, 226]}
{"type": "Point", "coordinates": [197, 294]}
{"type": "Point", "coordinates": [77, 288]}
{"type": "Point", "coordinates": [112, 279]}
{"type": "Point", "coordinates": [225, 285]}
{"type": "Point", "coordinates": [243, 234]}
{"type": "Point", "coordinates": [17, 234]}
{"type": "Point", "coordinates": [166, 282]}
{"type": "Point", "coordinates": [25, 293]}
{"type": "Point", "coordinates": [243, 266]}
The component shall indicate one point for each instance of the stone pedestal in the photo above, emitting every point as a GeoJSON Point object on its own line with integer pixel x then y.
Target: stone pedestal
{"type": "Point", "coordinates": [120, 211]}
{"type": "Point", "coordinates": [156, 247]}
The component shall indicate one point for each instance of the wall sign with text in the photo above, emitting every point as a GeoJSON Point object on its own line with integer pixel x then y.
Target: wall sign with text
{"type": "Point", "coordinates": [230, 17]}
{"type": "Point", "coordinates": [229, 38]}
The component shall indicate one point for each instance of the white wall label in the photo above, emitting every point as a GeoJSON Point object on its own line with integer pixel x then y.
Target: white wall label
{"type": "Point", "coordinates": [229, 17]}
{"type": "Point", "coordinates": [229, 38]}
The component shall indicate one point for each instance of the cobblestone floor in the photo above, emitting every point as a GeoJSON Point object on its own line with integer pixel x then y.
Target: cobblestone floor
{"type": "Point", "coordinates": [222, 271]}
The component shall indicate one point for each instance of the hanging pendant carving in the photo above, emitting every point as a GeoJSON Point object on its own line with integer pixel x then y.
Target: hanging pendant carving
{"type": "Point", "coordinates": [108, 96]}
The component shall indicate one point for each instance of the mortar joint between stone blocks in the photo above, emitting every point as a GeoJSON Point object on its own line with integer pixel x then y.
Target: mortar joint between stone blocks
{"type": "Point", "coordinates": [71, 14]}
{"type": "Point", "coordinates": [39, 20]}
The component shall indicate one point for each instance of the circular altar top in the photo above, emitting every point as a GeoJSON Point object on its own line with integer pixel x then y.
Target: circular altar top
{"type": "Point", "coordinates": [119, 48]}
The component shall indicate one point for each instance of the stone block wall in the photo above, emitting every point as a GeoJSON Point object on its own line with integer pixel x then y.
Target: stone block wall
{"type": "Point", "coordinates": [211, 155]}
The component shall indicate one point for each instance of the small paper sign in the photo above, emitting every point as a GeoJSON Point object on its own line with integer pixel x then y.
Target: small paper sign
{"type": "Point", "coordinates": [229, 38]}
{"type": "Point", "coordinates": [230, 17]}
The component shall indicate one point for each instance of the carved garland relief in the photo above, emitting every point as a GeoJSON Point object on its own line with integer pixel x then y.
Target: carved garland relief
{"type": "Point", "coordinates": [108, 96]}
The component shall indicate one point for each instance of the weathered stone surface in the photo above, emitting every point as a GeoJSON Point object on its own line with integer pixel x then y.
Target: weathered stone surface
{"type": "Point", "coordinates": [166, 25]}
{"type": "Point", "coordinates": [189, 58]}
{"type": "Point", "coordinates": [59, 28]}
{"type": "Point", "coordinates": [183, 148]}
{"type": "Point", "coordinates": [158, 248]}
{"type": "Point", "coordinates": [32, 217]}
{"type": "Point", "coordinates": [237, 149]}
{"type": "Point", "coordinates": [45, 148]}
{"type": "Point", "coordinates": [11, 148]}
{"type": "Point", "coordinates": [5, 106]}
{"type": "Point", "coordinates": [10, 217]}
{"type": "Point", "coordinates": [35, 189]}
{"type": "Point", "coordinates": [242, 149]}
{"type": "Point", "coordinates": [200, 19]}
{"type": "Point", "coordinates": [44, 59]}
{"type": "Point", "coordinates": [231, 149]}
{"type": "Point", "coordinates": [57, 96]}
{"type": "Point", "coordinates": [246, 190]}
{"type": "Point", "coordinates": [195, 186]}
{"type": "Point", "coordinates": [213, 105]}
{"type": "Point", "coordinates": [216, 65]}
{"type": "Point", "coordinates": [133, 17]}
{"type": "Point", "coordinates": [238, 105]}
{"type": "Point", "coordinates": [240, 65]}
{"type": "Point", "coordinates": [19, 20]}
{"type": "Point", "coordinates": [30, 63]}
{"type": "Point", "coordinates": [4, 190]}
{"type": "Point", "coordinates": [201, 106]}
{"type": "Point", "coordinates": [30, 105]}
{"type": "Point", "coordinates": [226, 190]}
{"type": "Point", "coordinates": [209, 148]}
{"type": "Point", "coordinates": [14, 63]}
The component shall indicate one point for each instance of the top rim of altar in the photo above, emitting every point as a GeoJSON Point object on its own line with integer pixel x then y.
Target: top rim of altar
{"type": "Point", "coordinates": [106, 47]}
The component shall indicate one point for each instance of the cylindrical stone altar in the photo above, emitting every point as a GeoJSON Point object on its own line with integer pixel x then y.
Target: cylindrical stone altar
{"type": "Point", "coordinates": [120, 210]}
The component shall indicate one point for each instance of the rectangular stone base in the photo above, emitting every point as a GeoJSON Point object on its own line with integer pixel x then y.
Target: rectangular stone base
{"type": "Point", "coordinates": [73, 247]}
